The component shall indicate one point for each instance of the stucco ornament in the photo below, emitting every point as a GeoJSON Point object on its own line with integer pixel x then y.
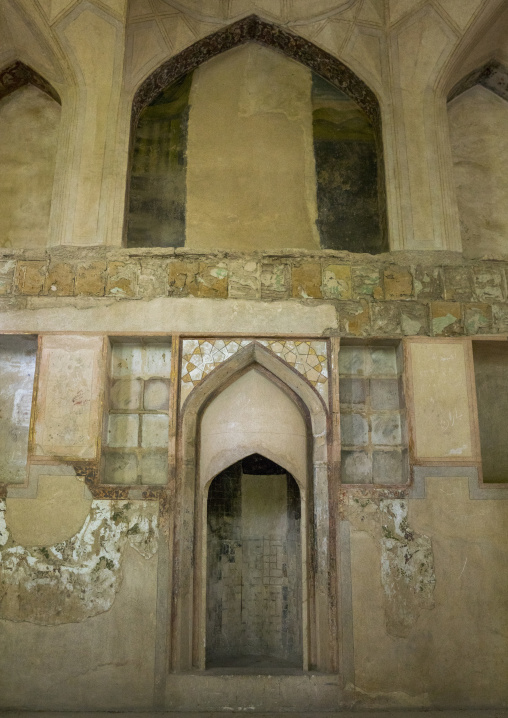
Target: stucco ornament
{"type": "Point", "coordinates": [78, 578]}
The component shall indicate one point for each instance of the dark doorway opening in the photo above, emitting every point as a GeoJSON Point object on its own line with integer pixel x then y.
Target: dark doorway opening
{"type": "Point", "coordinates": [254, 568]}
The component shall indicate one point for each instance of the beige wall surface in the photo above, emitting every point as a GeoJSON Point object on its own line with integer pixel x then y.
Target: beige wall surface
{"type": "Point", "coordinates": [455, 652]}
{"type": "Point", "coordinates": [253, 415]}
{"type": "Point", "coordinates": [68, 400]}
{"type": "Point", "coordinates": [29, 127]}
{"type": "Point", "coordinates": [105, 662]}
{"type": "Point", "coordinates": [441, 398]}
{"type": "Point", "coordinates": [478, 120]}
{"type": "Point", "coordinates": [251, 180]}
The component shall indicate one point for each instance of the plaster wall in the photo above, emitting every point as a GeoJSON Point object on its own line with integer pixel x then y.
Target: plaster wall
{"type": "Point", "coordinates": [251, 179]}
{"type": "Point", "coordinates": [29, 131]}
{"type": "Point", "coordinates": [478, 120]}
{"type": "Point", "coordinates": [253, 415]}
{"type": "Point", "coordinates": [453, 652]}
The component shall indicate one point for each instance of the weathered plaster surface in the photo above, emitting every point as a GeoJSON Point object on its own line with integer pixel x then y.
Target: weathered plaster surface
{"type": "Point", "coordinates": [251, 97]}
{"type": "Point", "coordinates": [407, 560]}
{"type": "Point", "coordinates": [479, 145]}
{"type": "Point", "coordinates": [77, 578]}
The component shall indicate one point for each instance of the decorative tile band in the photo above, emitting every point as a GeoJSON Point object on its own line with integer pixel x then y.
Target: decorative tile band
{"type": "Point", "coordinates": [202, 356]}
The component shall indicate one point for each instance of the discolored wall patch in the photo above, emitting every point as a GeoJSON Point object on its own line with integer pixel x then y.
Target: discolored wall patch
{"type": "Point", "coordinates": [78, 578]}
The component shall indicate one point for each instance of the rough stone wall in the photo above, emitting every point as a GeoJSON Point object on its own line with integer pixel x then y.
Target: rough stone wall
{"type": "Point", "coordinates": [402, 294]}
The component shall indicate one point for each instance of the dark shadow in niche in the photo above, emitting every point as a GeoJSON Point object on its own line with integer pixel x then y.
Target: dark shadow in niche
{"type": "Point", "coordinates": [158, 178]}
{"type": "Point", "coordinates": [346, 170]}
{"type": "Point", "coordinates": [355, 187]}
{"type": "Point", "coordinates": [18, 75]}
{"type": "Point", "coordinates": [254, 569]}
{"type": "Point", "coordinates": [493, 76]}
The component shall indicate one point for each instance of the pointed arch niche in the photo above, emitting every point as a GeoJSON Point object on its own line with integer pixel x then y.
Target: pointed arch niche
{"type": "Point", "coordinates": [478, 117]}
{"type": "Point", "coordinates": [242, 123]}
{"type": "Point", "coordinates": [254, 403]}
{"type": "Point", "coordinates": [29, 125]}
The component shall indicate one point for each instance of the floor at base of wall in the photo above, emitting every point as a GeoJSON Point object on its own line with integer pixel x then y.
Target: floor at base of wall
{"type": "Point", "coordinates": [397, 713]}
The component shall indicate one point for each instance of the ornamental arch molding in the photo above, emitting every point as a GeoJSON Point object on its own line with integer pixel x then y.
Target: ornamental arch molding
{"type": "Point", "coordinates": [189, 580]}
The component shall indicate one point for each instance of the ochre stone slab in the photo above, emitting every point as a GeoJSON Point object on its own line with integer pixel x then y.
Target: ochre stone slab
{"type": "Point", "coordinates": [442, 426]}
{"type": "Point", "coordinates": [68, 403]}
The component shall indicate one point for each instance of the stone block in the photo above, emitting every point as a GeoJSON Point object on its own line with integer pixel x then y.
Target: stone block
{"type": "Point", "coordinates": [7, 269]}
{"type": "Point", "coordinates": [29, 277]}
{"type": "Point", "coordinates": [154, 468]}
{"type": "Point", "coordinates": [306, 280]}
{"type": "Point", "coordinates": [489, 283]}
{"type": "Point", "coordinates": [274, 280]}
{"type": "Point", "coordinates": [90, 279]}
{"type": "Point", "coordinates": [59, 280]}
{"type": "Point", "coordinates": [385, 318]}
{"type": "Point", "coordinates": [414, 318]}
{"type": "Point", "coordinates": [122, 279]}
{"type": "Point", "coordinates": [352, 391]}
{"type": "Point", "coordinates": [478, 318]}
{"type": "Point", "coordinates": [366, 281]}
{"type": "Point", "coordinates": [126, 394]}
{"type": "Point", "coordinates": [211, 281]}
{"type": "Point", "coordinates": [120, 468]}
{"type": "Point", "coordinates": [123, 430]}
{"type": "Point", "coordinates": [398, 283]}
{"type": "Point", "coordinates": [458, 284]}
{"type": "Point", "coordinates": [181, 275]}
{"type": "Point", "coordinates": [354, 318]}
{"type": "Point", "coordinates": [384, 394]}
{"type": "Point", "coordinates": [355, 467]}
{"type": "Point", "coordinates": [244, 280]}
{"type": "Point", "coordinates": [352, 360]}
{"type": "Point", "coordinates": [388, 467]}
{"type": "Point", "coordinates": [156, 361]}
{"type": "Point", "coordinates": [126, 360]}
{"type": "Point", "coordinates": [386, 429]}
{"type": "Point", "coordinates": [383, 361]}
{"type": "Point", "coordinates": [446, 318]}
{"type": "Point", "coordinates": [428, 282]}
{"type": "Point", "coordinates": [337, 281]}
{"type": "Point", "coordinates": [154, 430]}
{"type": "Point", "coordinates": [153, 278]}
{"type": "Point", "coordinates": [354, 430]}
{"type": "Point", "coordinates": [500, 318]}
{"type": "Point", "coordinates": [156, 395]}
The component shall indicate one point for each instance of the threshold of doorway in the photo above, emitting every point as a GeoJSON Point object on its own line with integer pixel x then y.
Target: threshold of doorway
{"type": "Point", "coordinates": [254, 665]}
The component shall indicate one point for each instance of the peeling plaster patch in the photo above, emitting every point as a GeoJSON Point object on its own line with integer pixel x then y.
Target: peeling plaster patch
{"type": "Point", "coordinates": [78, 578]}
{"type": "Point", "coordinates": [407, 560]}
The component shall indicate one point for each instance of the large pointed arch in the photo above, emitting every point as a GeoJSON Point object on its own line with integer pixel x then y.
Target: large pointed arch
{"type": "Point", "coordinates": [187, 622]}
{"type": "Point", "coordinates": [254, 30]}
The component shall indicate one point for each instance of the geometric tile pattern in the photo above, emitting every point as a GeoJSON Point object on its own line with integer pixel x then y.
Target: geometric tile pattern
{"type": "Point", "coordinates": [201, 356]}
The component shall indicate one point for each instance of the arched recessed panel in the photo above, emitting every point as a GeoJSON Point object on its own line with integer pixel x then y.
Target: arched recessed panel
{"type": "Point", "coordinates": [478, 118]}
{"type": "Point", "coordinates": [253, 415]}
{"type": "Point", "coordinates": [274, 144]}
{"type": "Point", "coordinates": [29, 125]}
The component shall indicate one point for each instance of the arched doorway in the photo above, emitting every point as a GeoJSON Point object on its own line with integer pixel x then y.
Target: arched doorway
{"type": "Point", "coordinates": [253, 403]}
{"type": "Point", "coordinates": [254, 568]}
